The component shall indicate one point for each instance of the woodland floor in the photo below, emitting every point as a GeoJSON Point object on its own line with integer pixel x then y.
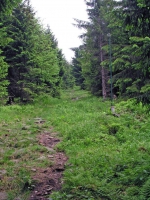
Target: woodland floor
{"type": "Point", "coordinates": [107, 154]}
{"type": "Point", "coordinates": [49, 179]}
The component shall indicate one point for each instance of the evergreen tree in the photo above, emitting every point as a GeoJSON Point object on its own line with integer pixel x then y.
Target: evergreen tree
{"type": "Point", "coordinates": [95, 74]}
{"type": "Point", "coordinates": [32, 57]}
{"type": "Point", "coordinates": [128, 23]}
{"type": "Point", "coordinates": [3, 65]}
{"type": "Point", "coordinates": [138, 24]}
{"type": "Point", "coordinates": [17, 52]}
{"type": "Point", "coordinates": [46, 62]}
{"type": "Point", "coordinates": [6, 6]}
{"type": "Point", "coordinates": [132, 58]}
{"type": "Point", "coordinates": [76, 68]}
{"type": "Point", "coordinates": [33, 62]}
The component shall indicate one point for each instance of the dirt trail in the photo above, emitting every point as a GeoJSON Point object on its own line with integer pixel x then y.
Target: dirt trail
{"type": "Point", "coordinates": [50, 178]}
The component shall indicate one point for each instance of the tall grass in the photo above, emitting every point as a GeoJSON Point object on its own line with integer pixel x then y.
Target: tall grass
{"type": "Point", "coordinates": [108, 155]}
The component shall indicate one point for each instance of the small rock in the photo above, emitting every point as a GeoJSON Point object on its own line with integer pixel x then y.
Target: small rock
{"type": "Point", "coordinates": [49, 189]}
{"type": "Point", "coordinates": [50, 156]}
{"type": "Point", "coordinates": [34, 170]}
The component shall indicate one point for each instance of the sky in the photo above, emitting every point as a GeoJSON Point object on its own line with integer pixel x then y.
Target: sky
{"type": "Point", "coordinates": [59, 15]}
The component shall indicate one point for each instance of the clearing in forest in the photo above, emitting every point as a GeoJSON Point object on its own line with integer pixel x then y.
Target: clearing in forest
{"type": "Point", "coordinates": [74, 148]}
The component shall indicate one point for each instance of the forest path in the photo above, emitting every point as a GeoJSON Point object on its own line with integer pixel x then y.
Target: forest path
{"type": "Point", "coordinates": [50, 178]}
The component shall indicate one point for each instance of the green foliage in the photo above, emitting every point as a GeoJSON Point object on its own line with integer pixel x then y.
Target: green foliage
{"type": "Point", "coordinates": [20, 149]}
{"type": "Point", "coordinates": [128, 23]}
{"type": "Point", "coordinates": [145, 192]}
{"type": "Point", "coordinates": [67, 78]}
{"type": "Point", "coordinates": [6, 6]}
{"type": "Point", "coordinates": [3, 73]}
{"type": "Point", "coordinates": [89, 66]}
{"type": "Point", "coordinates": [109, 161]}
{"type": "Point", "coordinates": [108, 157]}
{"type": "Point", "coordinates": [135, 52]}
{"type": "Point", "coordinates": [76, 69]}
{"type": "Point", "coordinates": [4, 40]}
{"type": "Point", "coordinates": [33, 62]}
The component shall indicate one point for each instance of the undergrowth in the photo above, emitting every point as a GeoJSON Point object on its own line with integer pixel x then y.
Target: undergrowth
{"type": "Point", "coordinates": [108, 155]}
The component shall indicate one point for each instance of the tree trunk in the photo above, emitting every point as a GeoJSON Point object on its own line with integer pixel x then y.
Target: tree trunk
{"type": "Point", "coordinates": [104, 93]}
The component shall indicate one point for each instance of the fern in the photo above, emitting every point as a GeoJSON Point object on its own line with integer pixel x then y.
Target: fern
{"type": "Point", "coordinates": [145, 191]}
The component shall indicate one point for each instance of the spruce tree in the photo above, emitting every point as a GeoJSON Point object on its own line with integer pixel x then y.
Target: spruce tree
{"type": "Point", "coordinates": [132, 58]}
{"type": "Point", "coordinates": [17, 52]}
{"type": "Point", "coordinates": [6, 6]}
{"type": "Point", "coordinates": [4, 40]}
{"type": "Point", "coordinates": [95, 74]}
{"type": "Point", "coordinates": [76, 68]}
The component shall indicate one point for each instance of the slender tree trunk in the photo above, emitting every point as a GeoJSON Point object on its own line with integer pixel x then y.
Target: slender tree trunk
{"type": "Point", "coordinates": [104, 93]}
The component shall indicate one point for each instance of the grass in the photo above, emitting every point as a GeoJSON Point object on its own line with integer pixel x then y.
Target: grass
{"type": "Point", "coordinates": [108, 156]}
{"type": "Point", "coordinates": [19, 151]}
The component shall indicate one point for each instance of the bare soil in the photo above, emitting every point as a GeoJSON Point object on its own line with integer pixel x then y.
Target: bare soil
{"type": "Point", "coordinates": [49, 179]}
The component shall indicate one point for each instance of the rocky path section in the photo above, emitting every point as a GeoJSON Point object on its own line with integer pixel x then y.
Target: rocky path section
{"type": "Point", "coordinates": [48, 179]}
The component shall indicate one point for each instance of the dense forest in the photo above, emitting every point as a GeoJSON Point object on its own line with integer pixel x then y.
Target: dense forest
{"type": "Point", "coordinates": [113, 59]}
{"type": "Point", "coordinates": [31, 62]}
{"type": "Point", "coordinates": [116, 47]}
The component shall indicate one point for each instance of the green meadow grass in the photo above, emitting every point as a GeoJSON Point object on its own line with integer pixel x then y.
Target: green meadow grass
{"type": "Point", "coordinates": [109, 157]}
